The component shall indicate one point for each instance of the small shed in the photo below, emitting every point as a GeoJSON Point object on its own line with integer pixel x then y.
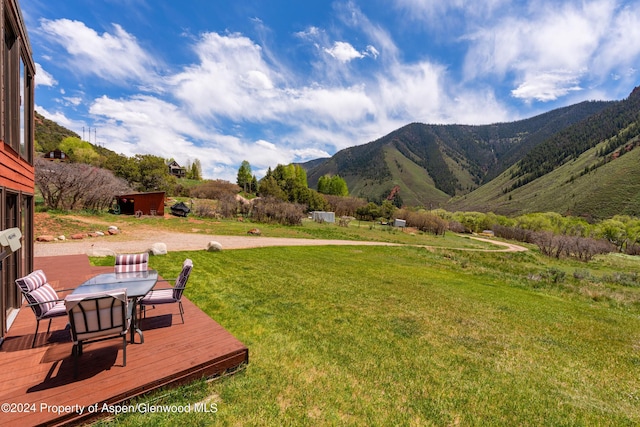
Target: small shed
{"type": "Point", "coordinates": [320, 216]}
{"type": "Point", "coordinates": [140, 204]}
{"type": "Point", "coordinates": [399, 222]}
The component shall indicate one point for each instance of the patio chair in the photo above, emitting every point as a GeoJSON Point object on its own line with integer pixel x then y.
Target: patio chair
{"type": "Point", "coordinates": [169, 295]}
{"type": "Point", "coordinates": [126, 263]}
{"type": "Point", "coordinates": [41, 298]}
{"type": "Point", "coordinates": [97, 317]}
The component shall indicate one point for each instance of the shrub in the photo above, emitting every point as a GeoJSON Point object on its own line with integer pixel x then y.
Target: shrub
{"type": "Point", "coordinates": [273, 210]}
{"type": "Point", "coordinates": [215, 189]}
{"type": "Point", "coordinates": [70, 186]}
{"type": "Point", "coordinates": [344, 206]}
{"type": "Point", "coordinates": [553, 275]}
{"type": "Point", "coordinates": [582, 248]}
{"type": "Point", "coordinates": [424, 221]}
{"type": "Point", "coordinates": [205, 209]}
{"type": "Point", "coordinates": [623, 279]}
{"type": "Point", "coordinates": [513, 233]}
{"type": "Point", "coordinates": [227, 206]}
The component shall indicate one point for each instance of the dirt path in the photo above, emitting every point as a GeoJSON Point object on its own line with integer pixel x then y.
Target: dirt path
{"type": "Point", "coordinates": [101, 246]}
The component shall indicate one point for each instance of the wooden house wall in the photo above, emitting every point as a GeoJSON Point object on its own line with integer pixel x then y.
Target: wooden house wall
{"type": "Point", "coordinates": [15, 172]}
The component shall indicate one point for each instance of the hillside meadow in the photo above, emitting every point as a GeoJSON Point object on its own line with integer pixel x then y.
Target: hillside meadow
{"type": "Point", "coordinates": [406, 335]}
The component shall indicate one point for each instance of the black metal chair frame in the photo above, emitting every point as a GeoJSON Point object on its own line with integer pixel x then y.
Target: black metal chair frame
{"type": "Point", "coordinates": [126, 324]}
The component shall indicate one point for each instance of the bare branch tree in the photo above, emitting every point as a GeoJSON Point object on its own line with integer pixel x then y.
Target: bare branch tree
{"type": "Point", "coordinates": [72, 186]}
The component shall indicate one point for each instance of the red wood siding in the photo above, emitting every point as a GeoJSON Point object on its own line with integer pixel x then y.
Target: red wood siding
{"type": "Point", "coordinates": [15, 172]}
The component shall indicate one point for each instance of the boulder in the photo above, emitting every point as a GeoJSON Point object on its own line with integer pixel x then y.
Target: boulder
{"type": "Point", "coordinates": [61, 237]}
{"type": "Point", "coordinates": [158, 249]}
{"type": "Point", "coordinates": [78, 236]}
{"type": "Point", "coordinates": [45, 238]}
{"type": "Point", "coordinates": [214, 246]}
{"type": "Point", "coordinates": [113, 231]}
{"type": "Point", "coordinates": [101, 252]}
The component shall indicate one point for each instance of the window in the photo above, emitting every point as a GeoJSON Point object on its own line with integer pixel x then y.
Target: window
{"type": "Point", "coordinates": [17, 71]}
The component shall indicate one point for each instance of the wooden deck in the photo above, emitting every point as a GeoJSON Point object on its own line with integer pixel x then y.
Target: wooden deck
{"type": "Point", "coordinates": [40, 379]}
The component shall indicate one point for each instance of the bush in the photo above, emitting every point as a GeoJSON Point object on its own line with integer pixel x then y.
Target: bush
{"type": "Point", "coordinates": [553, 275]}
{"type": "Point", "coordinates": [205, 209]}
{"type": "Point", "coordinates": [582, 248]}
{"type": "Point", "coordinates": [71, 186]}
{"type": "Point", "coordinates": [273, 210]}
{"type": "Point", "coordinates": [623, 279]}
{"type": "Point", "coordinates": [424, 221]}
{"type": "Point", "coordinates": [214, 190]}
{"type": "Point", "coordinates": [513, 233]}
{"type": "Point", "coordinates": [344, 206]}
{"type": "Point", "coordinates": [227, 206]}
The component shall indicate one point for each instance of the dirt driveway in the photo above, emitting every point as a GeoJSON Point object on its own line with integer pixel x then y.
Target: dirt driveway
{"type": "Point", "coordinates": [102, 246]}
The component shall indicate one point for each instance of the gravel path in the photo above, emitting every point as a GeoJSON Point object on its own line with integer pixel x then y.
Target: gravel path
{"type": "Point", "coordinates": [176, 242]}
{"type": "Point", "coordinates": [101, 246]}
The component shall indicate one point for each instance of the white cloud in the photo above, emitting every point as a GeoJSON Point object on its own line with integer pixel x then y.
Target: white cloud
{"type": "Point", "coordinates": [343, 52]}
{"type": "Point", "coordinates": [115, 56]}
{"type": "Point", "coordinates": [73, 100]}
{"type": "Point", "coordinates": [310, 33]}
{"type": "Point", "coordinates": [61, 119]}
{"type": "Point", "coordinates": [547, 86]}
{"type": "Point", "coordinates": [231, 80]}
{"type": "Point", "coordinates": [43, 78]}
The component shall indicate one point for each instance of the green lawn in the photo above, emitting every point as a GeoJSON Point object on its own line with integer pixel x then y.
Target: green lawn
{"type": "Point", "coordinates": [410, 336]}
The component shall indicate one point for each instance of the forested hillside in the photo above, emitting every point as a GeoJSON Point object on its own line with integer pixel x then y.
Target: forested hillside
{"type": "Point", "coordinates": [49, 134]}
{"type": "Point", "coordinates": [431, 163]}
{"type": "Point", "coordinates": [617, 124]}
{"type": "Point", "coordinates": [591, 169]}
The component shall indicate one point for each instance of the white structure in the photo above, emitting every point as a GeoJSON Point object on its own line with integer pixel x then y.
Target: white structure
{"type": "Point", "coordinates": [399, 223]}
{"type": "Point", "coordinates": [320, 216]}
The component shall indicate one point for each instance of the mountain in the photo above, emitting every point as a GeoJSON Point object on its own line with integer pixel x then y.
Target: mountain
{"type": "Point", "coordinates": [590, 169]}
{"type": "Point", "coordinates": [430, 164]}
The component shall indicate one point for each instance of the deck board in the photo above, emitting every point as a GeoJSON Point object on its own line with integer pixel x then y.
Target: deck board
{"type": "Point", "coordinates": [172, 353]}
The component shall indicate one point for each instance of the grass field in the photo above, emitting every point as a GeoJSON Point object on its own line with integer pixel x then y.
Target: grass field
{"type": "Point", "coordinates": [410, 336]}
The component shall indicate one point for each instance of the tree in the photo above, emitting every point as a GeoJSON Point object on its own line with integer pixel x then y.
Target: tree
{"type": "Point", "coordinates": [194, 170]}
{"type": "Point", "coordinates": [244, 176]}
{"type": "Point", "coordinates": [154, 174]}
{"type": "Point", "coordinates": [79, 151]}
{"type": "Point", "coordinates": [333, 185]}
{"type": "Point", "coordinates": [269, 187]}
{"type": "Point", "coordinates": [76, 186]}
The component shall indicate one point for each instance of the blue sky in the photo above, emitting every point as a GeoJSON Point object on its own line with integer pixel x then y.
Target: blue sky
{"type": "Point", "coordinates": [275, 81]}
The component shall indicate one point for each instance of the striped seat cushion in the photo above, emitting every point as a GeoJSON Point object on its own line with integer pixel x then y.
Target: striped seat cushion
{"type": "Point", "coordinates": [132, 262]}
{"type": "Point", "coordinates": [45, 297]}
{"type": "Point", "coordinates": [161, 296]}
{"type": "Point", "coordinates": [32, 281]}
{"type": "Point", "coordinates": [58, 309]}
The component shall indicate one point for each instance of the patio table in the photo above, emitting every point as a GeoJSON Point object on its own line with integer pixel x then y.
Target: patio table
{"type": "Point", "coordinates": [138, 284]}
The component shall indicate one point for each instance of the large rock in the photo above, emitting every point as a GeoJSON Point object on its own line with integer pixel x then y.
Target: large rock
{"type": "Point", "coordinates": [158, 249]}
{"type": "Point", "coordinates": [214, 246]}
{"type": "Point", "coordinates": [45, 238]}
{"type": "Point", "coordinates": [78, 236]}
{"type": "Point", "coordinates": [101, 252]}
